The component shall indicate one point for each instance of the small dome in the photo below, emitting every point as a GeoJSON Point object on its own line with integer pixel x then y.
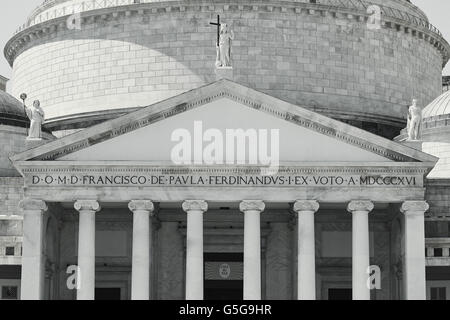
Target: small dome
{"type": "Point", "coordinates": [438, 108]}
{"type": "Point", "coordinates": [11, 111]}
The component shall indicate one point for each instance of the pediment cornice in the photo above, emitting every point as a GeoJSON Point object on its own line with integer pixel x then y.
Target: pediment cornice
{"type": "Point", "coordinates": [233, 91]}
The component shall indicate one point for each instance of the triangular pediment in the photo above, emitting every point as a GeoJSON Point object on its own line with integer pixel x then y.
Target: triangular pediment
{"type": "Point", "coordinates": [147, 134]}
{"type": "Point", "coordinates": [155, 142]}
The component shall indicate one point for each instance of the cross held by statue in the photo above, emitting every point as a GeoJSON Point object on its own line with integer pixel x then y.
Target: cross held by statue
{"type": "Point", "coordinates": [218, 28]}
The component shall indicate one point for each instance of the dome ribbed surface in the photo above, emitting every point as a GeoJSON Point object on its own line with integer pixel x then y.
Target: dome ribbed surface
{"type": "Point", "coordinates": [439, 107]}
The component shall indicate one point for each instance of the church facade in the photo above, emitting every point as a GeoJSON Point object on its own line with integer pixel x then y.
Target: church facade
{"type": "Point", "coordinates": [358, 198]}
{"type": "Point", "coordinates": [248, 174]}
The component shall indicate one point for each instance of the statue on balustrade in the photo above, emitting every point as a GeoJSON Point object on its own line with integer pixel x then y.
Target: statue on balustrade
{"type": "Point", "coordinates": [414, 126]}
{"type": "Point", "coordinates": [37, 116]}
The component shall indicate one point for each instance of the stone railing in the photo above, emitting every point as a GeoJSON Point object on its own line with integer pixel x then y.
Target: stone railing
{"type": "Point", "coordinates": [45, 12]}
{"type": "Point", "coordinates": [63, 8]}
{"type": "Point", "coordinates": [437, 251]}
{"type": "Point", "coordinates": [386, 12]}
{"type": "Point", "coordinates": [10, 250]}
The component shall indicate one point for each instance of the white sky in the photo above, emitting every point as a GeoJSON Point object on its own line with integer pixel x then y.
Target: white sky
{"type": "Point", "coordinates": [13, 13]}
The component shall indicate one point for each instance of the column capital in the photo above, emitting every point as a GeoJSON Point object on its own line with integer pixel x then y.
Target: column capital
{"type": "Point", "coordinates": [141, 205]}
{"type": "Point", "coordinates": [360, 205]}
{"type": "Point", "coordinates": [252, 205]}
{"type": "Point", "coordinates": [33, 205]}
{"type": "Point", "coordinates": [195, 205]}
{"type": "Point", "coordinates": [87, 205]}
{"type": "Point", "coordinates": [414, 207]}
{"type": "Point", "coordinates": [306, 205]}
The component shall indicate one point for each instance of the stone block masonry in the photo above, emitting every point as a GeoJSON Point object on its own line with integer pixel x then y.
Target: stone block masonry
{"type": "Point", "coordinates": [11, 192]}
{"type": "Point", "coordinates": [12, 141]}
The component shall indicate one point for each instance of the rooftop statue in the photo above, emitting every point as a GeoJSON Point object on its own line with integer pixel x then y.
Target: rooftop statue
{"type": "Point", "coordinates": [37, 117]}
{"type": "Point", "coordinates": [224, 47]}
{"type": "Point", "coordinates": [414, 126]}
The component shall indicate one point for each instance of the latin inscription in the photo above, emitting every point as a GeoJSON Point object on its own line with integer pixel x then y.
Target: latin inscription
{"type": "Point", "coordinates": [225, 180]}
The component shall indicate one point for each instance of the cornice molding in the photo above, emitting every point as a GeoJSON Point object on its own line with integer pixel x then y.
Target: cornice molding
{"type": "Point", "coordinates": [165, 114]}
{"type": "Point", "coordinates": [241, 94]}
{"type": "Point", "coordinates": [415, 26]}
{"type": "Point", "coordinates": [295, 169]}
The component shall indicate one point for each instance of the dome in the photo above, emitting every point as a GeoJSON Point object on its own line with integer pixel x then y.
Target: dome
{"type": "Point", "coordinates": [13, 121]}
{"type": "Point", "coordinates": [11, 111]}
{"type": "Point", "coordinates": [438, 108]}
{"type": "Point", "coordinates": [436, 134]}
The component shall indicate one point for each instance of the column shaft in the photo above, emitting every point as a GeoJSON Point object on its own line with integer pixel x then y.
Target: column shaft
{"type": "Point", "coordinates": [360, 255]}
{"type": "Point", "coordinates": [252, 248]}
{"type": "Point", "coordinates": [194, 249]}
{"type": "Point", "coordinates": [306, 249]}
{"type": "Point", "coordinates": [140, 273]}
{"type": "Point", "coordinates": [33, 261]}
{"type": "Point", "coordinates": [86, 249]}
{"type": "Point", "coordinates": [414, 260]}
{"type": "Point", "coordinates": [360, 248]}
{"type": "Point", "coordinates": [252, 256]}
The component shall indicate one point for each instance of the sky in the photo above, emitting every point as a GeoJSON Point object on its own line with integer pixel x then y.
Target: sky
{"type": "Point", "coordinates": [13, 13]}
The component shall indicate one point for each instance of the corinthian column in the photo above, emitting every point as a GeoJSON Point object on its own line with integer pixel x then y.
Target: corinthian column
{"type": "Point", "coordinates": [252, 210]}
{"type": "Point", "coordinates": [140, 272]}
{"type": "Point", "coordinates": [32, 279]}
{"type": "Point", "coordinates": [194, 248]}
{"type": "Point", "coordinates": [360, 248]}
{"type": "Point", "coordinates": [86, 248]}
{"type": "Point", "coordinates": [414, 261]}
{"type": "Point", "coordinates": [305, 211]}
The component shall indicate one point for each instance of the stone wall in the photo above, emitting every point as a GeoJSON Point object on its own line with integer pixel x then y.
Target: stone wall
{"type": "Point", "coordinates": [438, 197]}
{"type": "Point", "coordinates": [325, 60]}
{"type": "Point", "coordinates": [11, 192]}
{"type": "Point", "coordinates": [279, 279]}
{"type": "Point", "coordinates": [67, 254]}
{"type": "Point", "coordinates": [12, 141]}
{"type": "Point", "coordinates": [170, 263]}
